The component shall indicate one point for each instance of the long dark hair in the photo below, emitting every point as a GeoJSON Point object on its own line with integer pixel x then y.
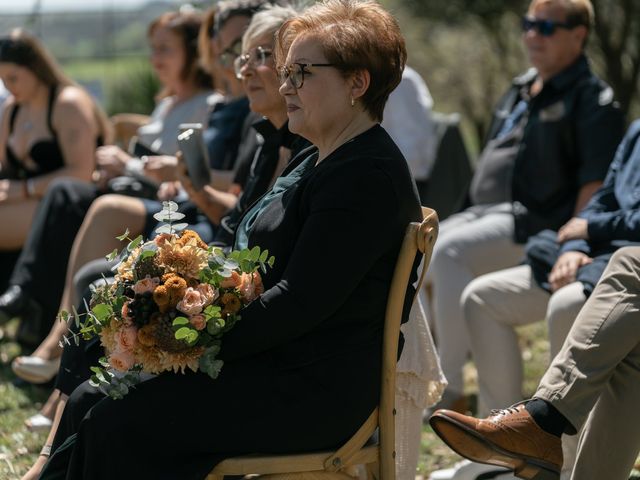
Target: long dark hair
{"type": "Point", "coordinates": [23, 49]}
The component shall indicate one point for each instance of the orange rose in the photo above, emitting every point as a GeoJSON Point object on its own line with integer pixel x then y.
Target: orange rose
{"type": "Point", "coordinates": [121, 361]}
{"type": "Point", "coordinates": [126, 338]}
{"type": "Point", "coordinates": [251, 286]}
{"type": "Point", "coordinates": [231, 282]}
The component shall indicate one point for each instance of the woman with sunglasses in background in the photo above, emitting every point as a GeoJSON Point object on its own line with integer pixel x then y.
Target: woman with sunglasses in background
{"type": "Point", "coordinates": [302, 368]}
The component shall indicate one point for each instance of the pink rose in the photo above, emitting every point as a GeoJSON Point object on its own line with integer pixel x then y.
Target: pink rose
{"type": "Point", "coordinates": [198, 321]}
{"type": "Point", "coordinates": [121, 361]}
{"type": "Point", "coordinates": [231, 282]}
{"type": "Point", "coordinates": [192, 302]}
{"type": "Point", "coordinates": [208, 293]}
{"type": "Point", "coordinates": [126, 338]}
{"type": "Point", "coordinates": [250, 286]}
{"type": "Point", "coordinates": [147, 284]}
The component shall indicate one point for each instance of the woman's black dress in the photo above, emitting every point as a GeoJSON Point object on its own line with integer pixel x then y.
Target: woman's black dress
{"type": "Point", "coordinates": [302, 367]}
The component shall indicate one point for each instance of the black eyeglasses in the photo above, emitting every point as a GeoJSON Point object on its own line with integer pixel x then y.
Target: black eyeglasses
{"type": "Point", "coordinates": [229, 54]}
{"type": "Point", "coordinates": [256, 57]}
{"type": "Point", "coordinates": [546, 28]}
{"type": "Point", "coordinates": [296, 71]}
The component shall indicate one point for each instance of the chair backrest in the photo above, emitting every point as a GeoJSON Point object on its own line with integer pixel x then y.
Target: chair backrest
{"type": "Point", "coordinates": [448, 183]}
{"type": "Point", "coordinates": [419, 237]}
{"type": "Point", "coordinates": [125, 127]}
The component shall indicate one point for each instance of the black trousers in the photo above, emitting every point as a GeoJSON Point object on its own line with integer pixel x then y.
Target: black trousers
{"type": "Point", "coordinates": [180, 426]}
{"type": "Point", "coordinates": [42, 265]}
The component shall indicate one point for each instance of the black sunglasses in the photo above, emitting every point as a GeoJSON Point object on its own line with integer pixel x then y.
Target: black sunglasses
{"type": "Point", "coordinates": [296, 72]}
{"type": "Point", "coordinates": [546, 28]}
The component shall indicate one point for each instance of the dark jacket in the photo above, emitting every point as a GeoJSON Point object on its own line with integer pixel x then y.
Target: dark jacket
{"type": "Point", "coordinates": [572, 130]}
{"type": "Point", "coordinates": [256, 172]}
{"type": "Point", "coordinates": [326, 295]}
{"type": "Point", "coordinates": [613, 216]}
{"type": "Point", "coordinates": [302, 366]}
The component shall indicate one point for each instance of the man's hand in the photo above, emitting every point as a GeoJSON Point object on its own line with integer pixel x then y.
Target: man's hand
{"type": "Point", "coordinates": [574, 229]}
{"type": "Point", "coordinates": [566, 267]}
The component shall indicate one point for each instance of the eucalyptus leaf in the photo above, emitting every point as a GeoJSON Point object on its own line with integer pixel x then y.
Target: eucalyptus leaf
{"type": "Point", "coordinates": [134, 243]}
{"type": "Point", "coordinates": [180, 321]}
{"type": "Point", "coordinates": [113, 255]}
{"type": "Point", "coordinates": [101, 311]}
{"type": "Point", "coordinates": [231, 264]}
{"type": "Point", "coordinates": [180, 226]}
{"type": "Point", "coordinates": [254, 255]}
{"type": "Point", "coordinates": [166, 228]}
{"type": "Point", "coordinates": [182, 333]}
{"type": "Point", "coordinates": [124, 236]}
{"type": "Point", "coordinates": [170, 206]}
{"type": "Point", "coordinates": [146, 254]}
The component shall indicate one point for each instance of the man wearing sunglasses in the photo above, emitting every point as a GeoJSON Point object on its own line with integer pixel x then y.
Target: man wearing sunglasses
{"type": "Point", "coordinates": [550, 142]}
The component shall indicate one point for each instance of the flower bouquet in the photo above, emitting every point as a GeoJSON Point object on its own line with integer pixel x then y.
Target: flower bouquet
{"type": "Point", "coordinates": [173, 299]}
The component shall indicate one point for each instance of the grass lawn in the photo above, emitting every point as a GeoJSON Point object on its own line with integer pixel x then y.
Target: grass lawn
{"type": "Point", "coordinates": [19, 448]}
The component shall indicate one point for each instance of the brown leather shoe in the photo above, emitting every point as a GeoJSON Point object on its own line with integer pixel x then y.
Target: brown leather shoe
{"type": "Point", "coordinates": [508, 438]}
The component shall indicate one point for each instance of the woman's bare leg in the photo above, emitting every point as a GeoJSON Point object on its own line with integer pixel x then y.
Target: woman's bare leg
{"type": "Point", "coordinates": [108, 217]}
{"type": "Point", "coordinates": [19, 215]}
{"type": "Point", "coordinates": [36, 468]}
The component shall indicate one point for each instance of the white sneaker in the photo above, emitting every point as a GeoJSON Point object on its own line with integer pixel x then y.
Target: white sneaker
{"type": "Point", "coordinates": [465, 470]}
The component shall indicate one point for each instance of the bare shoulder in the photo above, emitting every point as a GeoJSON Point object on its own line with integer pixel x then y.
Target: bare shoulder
{"type": "Point", "coordinates": [72, 102]}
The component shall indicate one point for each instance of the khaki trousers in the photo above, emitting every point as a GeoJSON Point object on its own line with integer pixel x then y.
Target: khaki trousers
{"type": "Point", "coordinates": [594, 381]}
{"type": "Point", "coordinates": [471, 243]}
{"type": "Point", "coordinates": [493, 306]}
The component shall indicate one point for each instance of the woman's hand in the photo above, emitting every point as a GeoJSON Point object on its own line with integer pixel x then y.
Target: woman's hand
{"type": "Point", "coordinates": [168, 191]}
{"type": "Point", "coordinates": [161, 168]}
{"type": "Point", "coordinates": [574, 229]}
{"type": "Point", "coordinates": [212, 202]}
{"type": "Point", "coordinates": [11, 190]}
{"type": "Point", "coordinates": [111, 161]}
{"type": "Point", "coordinates": [566, 267]}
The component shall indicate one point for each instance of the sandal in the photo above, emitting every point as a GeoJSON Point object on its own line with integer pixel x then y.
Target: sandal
{"type": "Point", "coordinates": [38, 423]}
{"type": "Point", "coordinates": [35, 369]}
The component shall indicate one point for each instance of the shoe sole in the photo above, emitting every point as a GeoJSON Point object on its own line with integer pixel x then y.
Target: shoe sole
{"type": "Point", "coordinates": [30, 376]}
{"type": "Point", "coordinates": [483, 451]}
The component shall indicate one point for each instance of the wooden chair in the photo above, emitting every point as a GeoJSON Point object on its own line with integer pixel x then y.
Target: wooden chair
{"type": "Point", "coordinates": [125, 127]}
{"type": "Point", "coordinates": [379, 459]}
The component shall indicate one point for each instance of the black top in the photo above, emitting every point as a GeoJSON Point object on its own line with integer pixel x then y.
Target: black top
{"type": "Point", "coordinates": [327, 292]}
{"type": "Point", "coordinates": [224, 132]}
{"type": "Point", "coordinates": [572, 131]}
{"type": "Point", "coordinates": [256, 171]}
{"type": "Point", "coordinates": [46, 154]}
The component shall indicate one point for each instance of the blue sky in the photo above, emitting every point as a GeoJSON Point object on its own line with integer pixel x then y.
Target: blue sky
{"type": "Point", "coordinates": [26, 6]}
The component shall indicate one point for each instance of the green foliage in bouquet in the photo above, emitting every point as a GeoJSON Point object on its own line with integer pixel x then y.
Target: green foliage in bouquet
{"type": "Point", "coordinates": [172, 301]}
